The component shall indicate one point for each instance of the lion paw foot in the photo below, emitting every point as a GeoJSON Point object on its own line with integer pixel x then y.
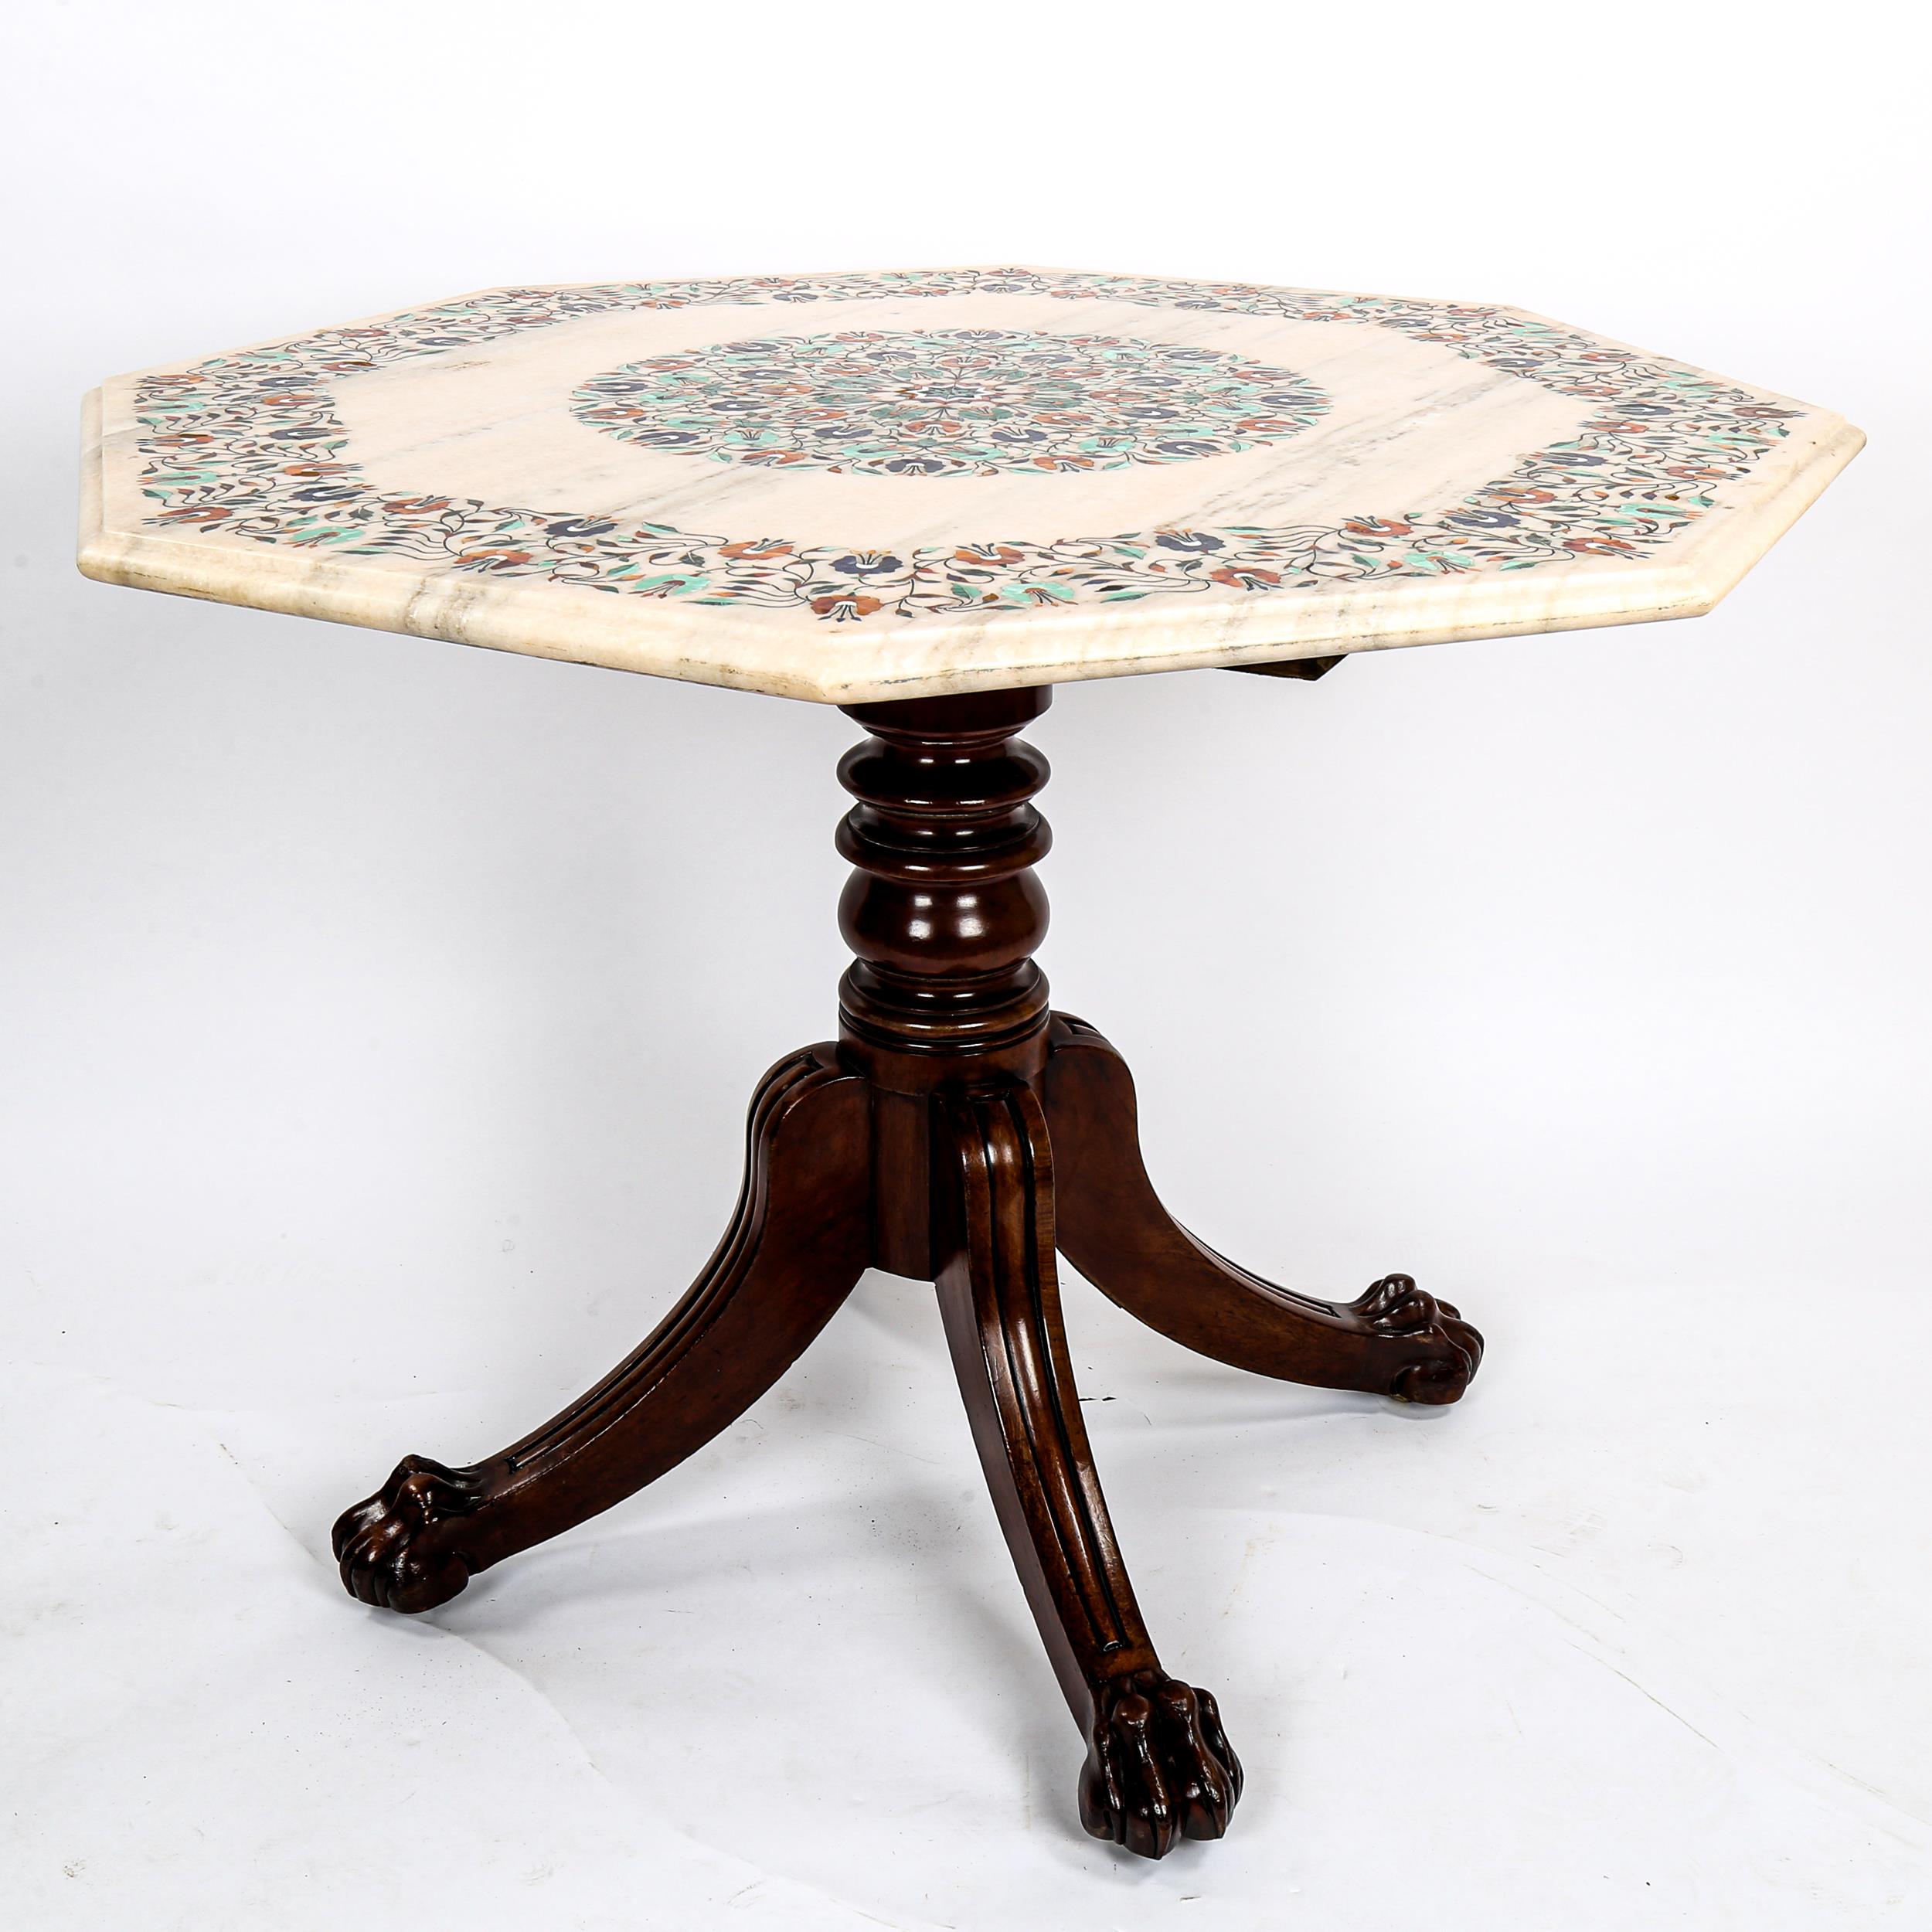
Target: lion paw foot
{"type": "Point", "coordinates": [1159, 1766]}
{"type": "Point", "coordinates": [1440, 1351]}
{"type": "Point", "coordinates": [392, 1549]}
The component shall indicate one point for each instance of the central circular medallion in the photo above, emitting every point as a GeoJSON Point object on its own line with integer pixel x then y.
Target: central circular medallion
{"type": "Point", "coordinates": [959, 402]}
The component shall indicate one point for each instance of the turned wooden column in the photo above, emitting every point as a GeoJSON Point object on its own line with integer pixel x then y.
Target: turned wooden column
{"type": "Point", "coordinates": [944, 911]}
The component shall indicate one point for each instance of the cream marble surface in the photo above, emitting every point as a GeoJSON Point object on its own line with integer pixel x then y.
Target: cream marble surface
{"type": "Point", "coordinates": [850, 487]}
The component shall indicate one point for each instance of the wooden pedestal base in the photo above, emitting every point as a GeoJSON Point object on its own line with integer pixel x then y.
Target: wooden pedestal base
{"type": "Point", "coordinates": [959, 1132]}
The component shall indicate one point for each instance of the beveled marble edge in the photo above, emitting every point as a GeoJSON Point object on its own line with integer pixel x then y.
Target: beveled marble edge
{"type": "Point", "coordinates": [715, 645]}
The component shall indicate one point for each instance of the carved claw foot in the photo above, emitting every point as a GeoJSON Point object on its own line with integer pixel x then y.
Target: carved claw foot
{"type": "Point", "coordinates": [394, 1549]}
{"type": "Point", "coordinates": [1159, 1766]}
{"type": "Point", "coordinates": [1448, 1348]}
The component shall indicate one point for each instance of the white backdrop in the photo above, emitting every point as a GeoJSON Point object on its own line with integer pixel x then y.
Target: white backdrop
{"type": "Point", "coordinates": [375, 1036]}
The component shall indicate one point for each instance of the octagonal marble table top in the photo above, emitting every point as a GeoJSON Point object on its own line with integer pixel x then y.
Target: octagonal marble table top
{"type": "Point", "coordinates": [854, 487]}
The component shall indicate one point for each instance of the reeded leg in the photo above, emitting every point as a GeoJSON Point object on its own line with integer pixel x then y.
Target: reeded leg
{"type": "Point", "coordinates": [1158, 1766]}
{"type": "Point", "coordinates": [1395, 1341]}
{"type": "Point", "coordinates": [798, 1242]}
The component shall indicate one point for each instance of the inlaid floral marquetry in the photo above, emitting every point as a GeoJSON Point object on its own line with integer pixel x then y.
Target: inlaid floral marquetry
{"type": "Point", "coordinates": [862, 486]}
{"type": "Point", "coordinates": [948, 402]}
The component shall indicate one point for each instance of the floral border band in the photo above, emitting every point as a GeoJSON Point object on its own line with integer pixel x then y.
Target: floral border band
{"type": "Point", "coordinates": [247, 444]}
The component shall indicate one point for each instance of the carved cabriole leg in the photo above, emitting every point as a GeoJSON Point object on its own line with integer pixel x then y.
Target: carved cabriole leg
{"type": "Point", "coordinates": [1395, 1341]}
{"type": "Point", "coordinates": [798, 1242]}
{"type": "Point", "coordinates": [1159, 1766]}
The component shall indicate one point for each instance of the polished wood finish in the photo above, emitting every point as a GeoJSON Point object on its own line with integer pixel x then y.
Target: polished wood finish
{"type": "Point", "coordinates": [1306, 669]}
{"type": "Point", "coordinates": [794, 1251]}
{"type": "Point", "coordinates": [957, 1133]}
{"type": "Point", "coordinates": [1158, 1764]}
{"type": "Point", "coordinates": [944, 912]}
{"type": "Point", "coordinates": [1395, 1341]}
{"type": "Point", "coordinates": [943, 908]}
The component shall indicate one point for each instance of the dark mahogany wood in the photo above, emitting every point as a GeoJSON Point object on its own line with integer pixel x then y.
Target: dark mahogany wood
{"type": "Point", "coordinates": [1158, 1766]}
{"type": "Point", "coordinates": [943, 908]}
{"type": "Point", "coordinates": [956, 1133]}
{"type": "Point", "coordinates": [795, 1248]}
{"type": "Point", "coordinates": [1395, 1341]}
{"type": "Point", "coordinates": [1306, 669]}
{"type": "Point", "coordinates": [944, 912]}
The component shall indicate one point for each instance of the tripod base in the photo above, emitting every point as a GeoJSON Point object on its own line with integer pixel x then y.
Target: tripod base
{"type": "Point", "coordinates": [978, 1184]}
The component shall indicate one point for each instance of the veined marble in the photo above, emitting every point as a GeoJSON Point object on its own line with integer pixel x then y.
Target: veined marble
{"type": "Point", "coordinates": [854, 487]}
